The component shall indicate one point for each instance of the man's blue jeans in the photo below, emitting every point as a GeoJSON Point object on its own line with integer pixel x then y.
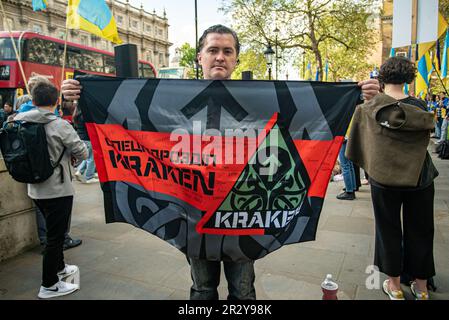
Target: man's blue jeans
{"type": "Point", "coordinates": [87, 167]}
{"type": "Point", "coordinates": [444, 128]}
{"type": "Point", "coordinates": [206, 278]}
{"type": "Point", "coordinates": [438, 125]}
{"type": "Point", "coordinates": [347, 169]}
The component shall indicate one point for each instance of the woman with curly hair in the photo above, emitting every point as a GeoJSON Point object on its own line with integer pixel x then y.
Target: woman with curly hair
{"type": "Point", "coordinates": [389, 140]}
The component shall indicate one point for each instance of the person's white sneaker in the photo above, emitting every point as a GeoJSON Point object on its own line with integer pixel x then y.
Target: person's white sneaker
{"type": "Point", "coordinates": [61, 288]}
{"type": "Point", "coordinates": [79, 176]}
{"type": "Point", "coordinates": [93, 180]}
{"type": "Point", "coordinates": [67, 271]}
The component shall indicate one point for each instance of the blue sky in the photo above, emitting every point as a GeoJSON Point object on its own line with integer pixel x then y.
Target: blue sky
{"type": "Point", "coordinates": [181, 17]}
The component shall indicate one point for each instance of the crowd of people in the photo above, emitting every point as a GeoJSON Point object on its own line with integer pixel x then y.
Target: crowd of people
{"type": "Point", "coordinates": [438, 105]}
{"type": "Point", "coordinates": [407, 249]}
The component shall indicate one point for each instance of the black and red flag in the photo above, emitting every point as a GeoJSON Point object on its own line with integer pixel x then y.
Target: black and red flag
{"type": "Point", "coordinates": [222, 170]}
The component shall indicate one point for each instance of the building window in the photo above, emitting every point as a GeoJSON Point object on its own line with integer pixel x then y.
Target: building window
{"type": "Point", "coordinates": [83, 40]}
{"type": "Point", "coordinates": [160, 32]}
{"type": "Point", "coordinates": [37, 28]}
{"type": "Point", "coordinates": [148, 56]}
{"type": "Point", "coordinates": [148, 28]}
{"type": "Point", "coordinates": [11, 23]}
{"type": "Point", "coordinates": [119, 20]}
{"type": "Point", "coordinates": [135, 24]}
{"type": "Point", "coordinates": [161, 58]}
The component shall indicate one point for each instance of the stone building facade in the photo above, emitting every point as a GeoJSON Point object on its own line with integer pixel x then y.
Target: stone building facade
{"type": "Point", "coordinates": [387, 28]}
{"type": "Point", "coordinates": [148, 31]}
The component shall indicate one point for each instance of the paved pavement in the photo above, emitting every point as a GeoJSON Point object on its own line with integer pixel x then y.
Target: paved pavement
{"type": "Point", "coordinates": [118, 261]}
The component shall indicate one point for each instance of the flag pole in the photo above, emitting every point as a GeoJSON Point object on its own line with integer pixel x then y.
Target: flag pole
{"type": "Point", "coordinates": [196, 40]}
{"type": "Point", "coordinates": [414, 43]}
{"type": "Point", "coordinates": [15, 48]}
{"type": "Point", "coordinates": [439, 77]}
{"type": "Point", "coordinates": [63, 61]}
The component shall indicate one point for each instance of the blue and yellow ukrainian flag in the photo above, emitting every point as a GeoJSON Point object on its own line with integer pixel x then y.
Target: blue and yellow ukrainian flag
{"type": "Point", "coordinates": [39, 5]}
{"type": "Point", "coordinates": [423, 76]}
{"type": "Point", "coordinates": [93, 16]}
{"type": "Point", "coordinates": [308, 73]}
{"type": "Point", "coordinates": [392, 52]}
{"type": "Point", "coordinates": [444, 64]}
{"type": "Point", "coordinates": [326, 71]}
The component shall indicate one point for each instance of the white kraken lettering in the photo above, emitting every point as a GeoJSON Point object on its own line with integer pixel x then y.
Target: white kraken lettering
{"type": "Point", "coordinates": [248, 220]}
{"type": "Point", "coordinates": [257, 219]}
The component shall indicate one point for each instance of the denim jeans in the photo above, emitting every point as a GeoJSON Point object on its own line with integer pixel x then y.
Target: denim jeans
{"type": "Point", "coordinates": [206, 278]}
{"type": "Point", "coordinates": [438, 124]}
{"type": "Point", "coordinates": [87, 167]}
{"type": "Point", "coordinates": [444, 126]}
{"type": "Point", "coordinates": [347, 169]}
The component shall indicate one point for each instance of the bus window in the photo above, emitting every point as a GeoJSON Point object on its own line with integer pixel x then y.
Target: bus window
{"type": "Point", "coordinates": [173, 73]}
{"type": "Point", "coordinates": [74, 58]}
{"type": "Point", "coordinates": [93, 61]}
{"type": "Point", "coordinates": [42, 51]}
{"type": "Point", "coordinates": [147, 71]}
{"type": "Point", "coordinates": [109, 64]}
{"type": "Point", "coordinates": [7, 49]}
{"type": "Point", "coordinates": [7, 95]}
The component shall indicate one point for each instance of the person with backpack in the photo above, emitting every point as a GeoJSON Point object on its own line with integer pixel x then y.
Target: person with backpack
{"type": "Point", "coordinates": [25, 104]}
{"type": "Point", "coordinates": [54, 195]}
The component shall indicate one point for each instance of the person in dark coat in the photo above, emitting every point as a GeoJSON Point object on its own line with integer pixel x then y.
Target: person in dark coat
{"type": "Point", "coordinates": [402, 176]}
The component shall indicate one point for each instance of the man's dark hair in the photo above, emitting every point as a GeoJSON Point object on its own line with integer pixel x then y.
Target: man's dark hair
{"type": "Point", "coordinates": [44, 94]}
{"type": "Point", "coordinates": [397, 70]}
{"type": "Point", "coordinates": [221, 30]}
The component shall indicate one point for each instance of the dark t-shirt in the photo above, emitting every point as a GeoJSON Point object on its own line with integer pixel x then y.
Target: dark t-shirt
{"type": "Point", "coordinates": [428, 172]}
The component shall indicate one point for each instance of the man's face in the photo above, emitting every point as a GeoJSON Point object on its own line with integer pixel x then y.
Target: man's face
{"type": "Point", "coordinates": [218, 57]}
{"type": "Point", "coordinates": [7, 108]}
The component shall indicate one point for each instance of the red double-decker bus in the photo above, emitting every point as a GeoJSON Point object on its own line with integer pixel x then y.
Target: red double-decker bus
{"type": "Point", "coordinates": [42, 55]}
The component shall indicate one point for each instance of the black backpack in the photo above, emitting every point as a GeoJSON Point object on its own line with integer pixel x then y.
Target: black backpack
{"type": "Point", "coordinates": [25, 152]}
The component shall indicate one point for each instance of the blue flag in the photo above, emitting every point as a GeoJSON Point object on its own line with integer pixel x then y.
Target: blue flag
{"type": "Point", "coordinates": [39, 5]}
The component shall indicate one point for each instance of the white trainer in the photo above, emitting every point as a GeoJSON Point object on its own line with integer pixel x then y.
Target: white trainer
{"type": "Point", "coordinates": [93, 180]}
{"type": "Point", "coordinates": [60, 289]}
{"type": "Point", "coordinates": [79, 176]}
{"type": "Point", "coordinates": [67, 271]}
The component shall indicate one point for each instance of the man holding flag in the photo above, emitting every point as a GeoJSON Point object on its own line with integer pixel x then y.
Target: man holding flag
{"type": "Point", "coordinates": [219, 48]}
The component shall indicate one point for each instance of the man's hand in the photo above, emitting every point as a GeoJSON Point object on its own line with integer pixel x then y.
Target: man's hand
{"type": "Point", "coordinates": [370, 88]}
{"type": "Point", "coordinates": [71, 89]}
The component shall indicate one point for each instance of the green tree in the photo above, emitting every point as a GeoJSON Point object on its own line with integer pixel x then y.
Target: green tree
{"type": "Point", "coordinates": [314, 26]}
{"type": "Point", "coordinates": [250, 60]}
{"type": "Point", "coordinates": [187, 59]}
